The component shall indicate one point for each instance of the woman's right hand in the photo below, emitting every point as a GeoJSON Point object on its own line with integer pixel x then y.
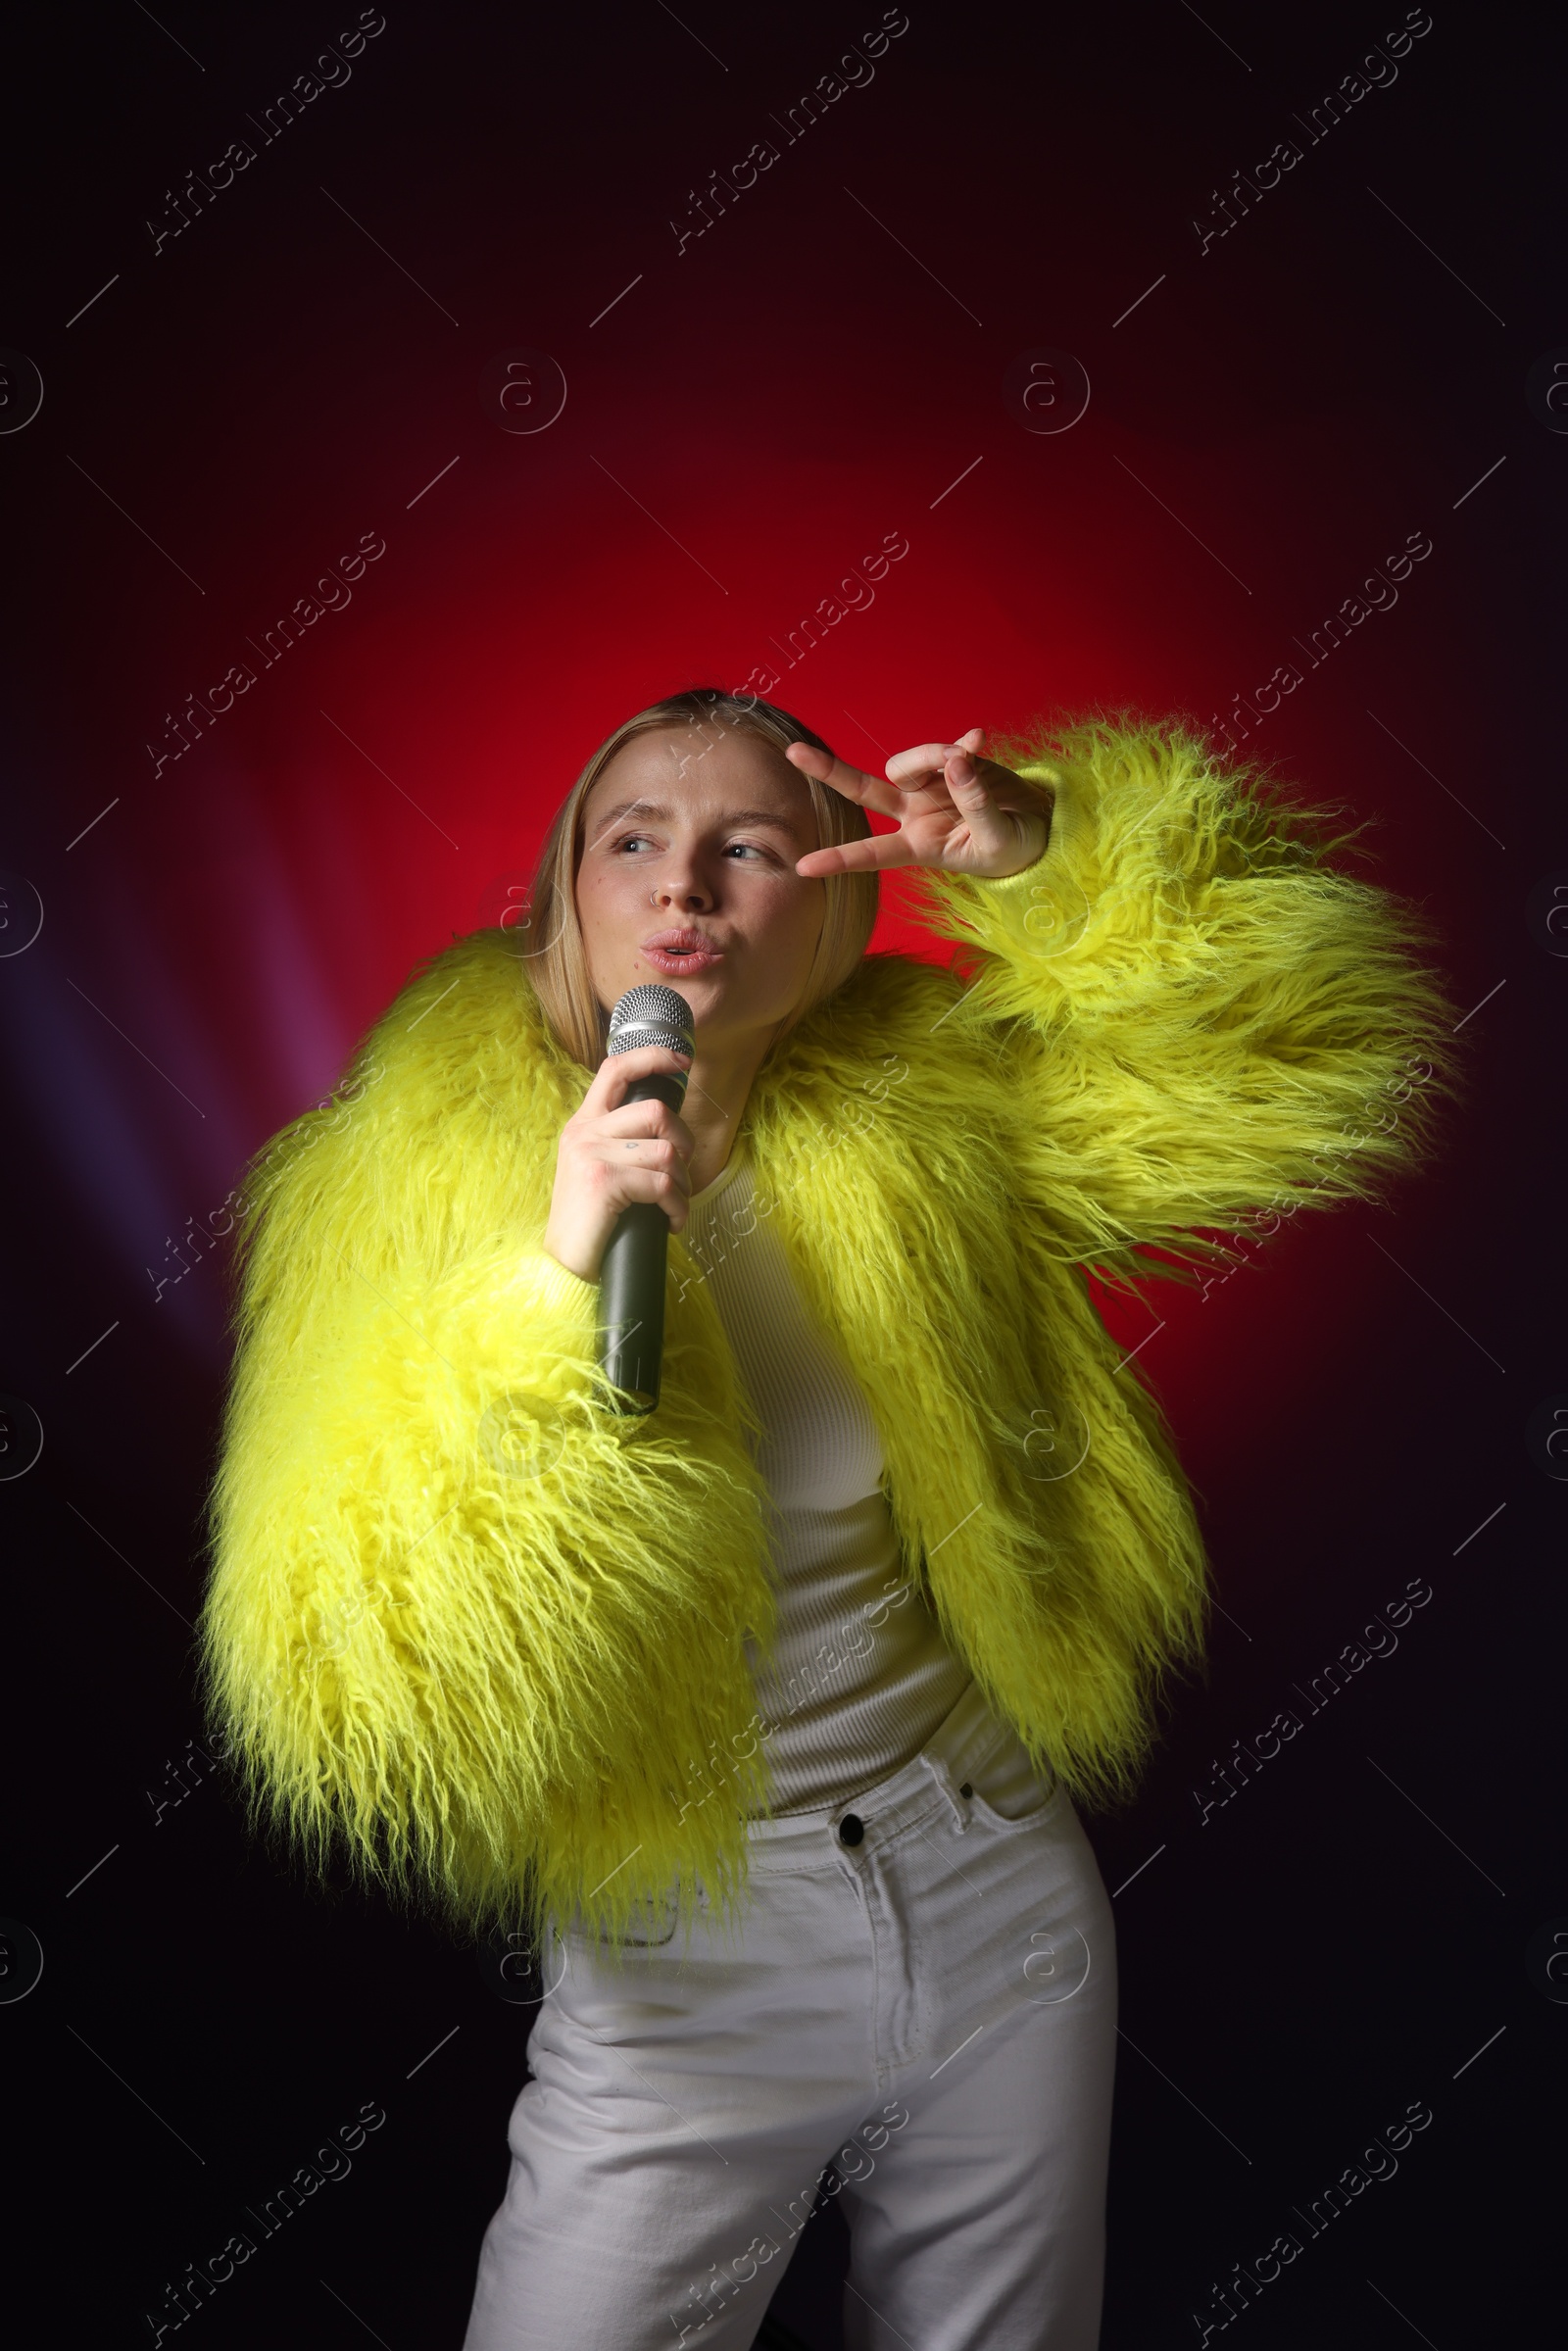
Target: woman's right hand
{"type": "Point", "coordinates": [612, 1152]}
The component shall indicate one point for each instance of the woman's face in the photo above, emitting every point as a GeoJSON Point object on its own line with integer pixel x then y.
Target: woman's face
{"type": "Point", "coordinates": [690, 845]}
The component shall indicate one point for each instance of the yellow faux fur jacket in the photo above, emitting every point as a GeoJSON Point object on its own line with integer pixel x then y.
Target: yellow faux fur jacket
{"type": "Point", "coordinates": [483, 1635]}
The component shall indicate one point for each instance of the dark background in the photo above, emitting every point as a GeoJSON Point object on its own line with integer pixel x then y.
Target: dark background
{"type": "Point", "coordinates": [745, 418]}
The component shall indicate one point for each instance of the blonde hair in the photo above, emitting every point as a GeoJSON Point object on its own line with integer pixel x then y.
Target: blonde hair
{"type": "Point", "coordinates": [559, 968]}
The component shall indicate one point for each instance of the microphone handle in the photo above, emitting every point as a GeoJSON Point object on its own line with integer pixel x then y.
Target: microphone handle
{"type": "Point", "coordinates": [631, 1282]}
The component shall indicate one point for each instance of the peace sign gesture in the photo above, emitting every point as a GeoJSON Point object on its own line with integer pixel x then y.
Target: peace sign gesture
{"type": "Point", "coordinates": [956, 810]}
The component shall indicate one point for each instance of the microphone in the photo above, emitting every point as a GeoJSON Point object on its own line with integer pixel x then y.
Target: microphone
{"type": "Point", "coordinates": [631, 1275]}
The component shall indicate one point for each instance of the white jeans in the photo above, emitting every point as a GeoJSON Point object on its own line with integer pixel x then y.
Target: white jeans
{"type": "Point", "coordinates": [931, 2011]}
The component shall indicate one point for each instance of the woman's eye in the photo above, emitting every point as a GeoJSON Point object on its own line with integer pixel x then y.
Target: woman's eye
{"type": "Point", "coordinates": [636, 841]}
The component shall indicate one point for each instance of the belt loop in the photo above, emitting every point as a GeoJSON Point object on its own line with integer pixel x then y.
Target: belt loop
{"type": "Point", "coordinates": [937, 1766]}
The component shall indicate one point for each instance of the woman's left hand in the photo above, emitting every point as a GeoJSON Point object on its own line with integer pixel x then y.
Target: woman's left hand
{"type": "Point", "coordinates": [957, 809]}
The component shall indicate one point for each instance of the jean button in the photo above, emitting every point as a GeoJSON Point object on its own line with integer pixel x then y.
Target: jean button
{"type": "Point", "coordinates": [851, 1829]}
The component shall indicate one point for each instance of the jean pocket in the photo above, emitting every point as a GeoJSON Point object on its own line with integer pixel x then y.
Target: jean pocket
{"type": "Point", "coordinates": [1006, 1791]}
{"type": "Point", "coordinates": [652, 1923]}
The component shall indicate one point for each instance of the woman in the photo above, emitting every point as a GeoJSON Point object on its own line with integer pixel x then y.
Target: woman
{"type": "Point", "coordinates": [766, 1711]}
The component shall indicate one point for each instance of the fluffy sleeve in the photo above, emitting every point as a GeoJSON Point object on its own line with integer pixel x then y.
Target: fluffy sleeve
{"type": "Point", "coordinates": [1211, 1021]}
{"type": "Point", "coordinates": [463, 1623]}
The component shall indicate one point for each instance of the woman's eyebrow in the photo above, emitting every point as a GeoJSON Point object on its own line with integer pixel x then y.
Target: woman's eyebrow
{"type": "Point", "coordinates": [658, 815]}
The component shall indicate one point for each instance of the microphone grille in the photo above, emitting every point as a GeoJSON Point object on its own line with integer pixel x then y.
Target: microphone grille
{"type": "Point", "coordinates": [651, 1015]}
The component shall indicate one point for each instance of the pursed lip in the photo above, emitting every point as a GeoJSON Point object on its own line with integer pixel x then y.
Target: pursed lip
{"type": "Point", "coordinates": [682, 954]}
{"type": "Point", "coordinates": [686, 942]}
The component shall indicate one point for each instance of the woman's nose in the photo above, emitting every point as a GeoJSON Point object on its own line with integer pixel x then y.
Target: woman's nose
{"type": "Point", "coordinates": [687, 892]}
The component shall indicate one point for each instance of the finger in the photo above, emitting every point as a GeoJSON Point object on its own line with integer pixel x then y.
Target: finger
{"type": "Point", "coordinates": [974, 781]}
{"type": "Point", "coordinates": [644, 1122]}
{"type": "Point", "coordinates": [617, 1071]}
{"type": "Point", "coordinates": [973, 788]}
{"type": "Point", "coordinates": [965, 773]}
{"type": "Point", "coordinates": [660, 1154]}
{"type": "Point", "coordinates": [852, 783]}
{"type": "Point", "coordinates": [875, 855]}
{"type": "Point", "coordinates": [1000, 811]}
{"type": "Point", "coordinates": [635, 1183]}
{"type": "Point", "coordinates": [927, 759]}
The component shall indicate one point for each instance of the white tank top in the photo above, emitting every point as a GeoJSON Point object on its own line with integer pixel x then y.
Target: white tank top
{"type": "Point", "coordinates": [859, 1676]}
